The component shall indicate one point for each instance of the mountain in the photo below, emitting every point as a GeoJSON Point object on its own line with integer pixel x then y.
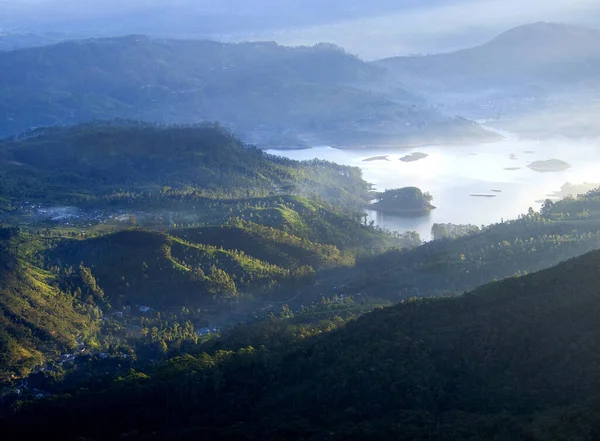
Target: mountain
{"type": "Point", "coordinates": [265, 92]}
{"type": "Point", "coordinates": [536, 54]}
{"type": "Point", "coordinates": [525, 70]}
{"type": "Point", "coordinates": [516, 359]}
{"type": "Point", "coordinates": [94, 160]}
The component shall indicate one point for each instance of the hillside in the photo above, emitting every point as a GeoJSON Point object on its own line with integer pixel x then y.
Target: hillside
{"type": "Point", "coordinates": [535, 241]}
{"type": "Point", "coordinates": [529, 72]}
{"type": "Point", "coordinates": [60, 287]}
{"type": "Point", "coordinates": [531, 54]}
{"type": "Point", "coordinates": [264, 253]}
{"type": "Point", "coordinates": [38, 318]}
{"type": "Point", "coordinates": [82, 162]}
{"type": "Point", "coordinates": [515, 360]}
{"type": "Point", "coordinates": [195, 267]}
{"type": "Point", "coordinates": [265, 92]}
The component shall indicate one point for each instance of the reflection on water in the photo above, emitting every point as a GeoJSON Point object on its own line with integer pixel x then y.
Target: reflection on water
{"type": "Point", "coordinates": [453, 174]}
{"type": "Point", "coordinates": [421, 223]}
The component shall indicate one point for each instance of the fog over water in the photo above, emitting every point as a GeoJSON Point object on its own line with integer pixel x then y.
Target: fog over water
{"type": "Point", "coordinates": [497, 173]}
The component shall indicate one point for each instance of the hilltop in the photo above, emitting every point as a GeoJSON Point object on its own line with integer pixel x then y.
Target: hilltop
{"type": "Point", "coordinates": [265, 92]}
{"type": "Point", "coordinates": [541, 54]}
{"type": "Point", "coordinates": [89, 161]}
{"type": "Point", "coordinates": [539, 78]}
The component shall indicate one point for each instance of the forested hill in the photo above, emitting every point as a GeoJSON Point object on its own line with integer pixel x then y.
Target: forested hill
{"type": "Point", "coordinates": [514, 360]}
{"type": "Point", "coordinates": [72, 164]}
{"type": "Point", "coordinates": [535, 241]}
{"type": "Point", "coordinates": [38, 317]}
{"type": "Point", "coordinates": [265, 92]}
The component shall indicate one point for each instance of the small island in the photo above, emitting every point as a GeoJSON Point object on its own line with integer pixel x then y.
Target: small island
{"type": "Point", "coordinates": [376, 158]}
{"type": "Point", "coordinates": [552, 165]}
{"type": "Point", "coordinates": [408, 200]}
{"type": "Point", "coordinates": [413, 157]}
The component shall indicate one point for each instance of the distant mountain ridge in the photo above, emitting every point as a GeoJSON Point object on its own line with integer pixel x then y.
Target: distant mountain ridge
{"type": "Point", "coordinates": [11, 40]}
{"type": "Point", "coordinates": [531, 69]}
{"type": "Point", "coordinates": [525, 53]}
{"type": "Point", "coordinates": [263, 91]}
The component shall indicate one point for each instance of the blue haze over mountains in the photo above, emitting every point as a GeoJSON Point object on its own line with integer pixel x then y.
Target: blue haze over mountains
{"type": "Point", "coordinates": [495, 64]}
{"type": "Point", "coordinates": [370, 29]}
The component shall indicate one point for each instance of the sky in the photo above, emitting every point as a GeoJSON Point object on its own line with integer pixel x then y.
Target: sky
{"type": "Point", "coordinates": [369, 28]}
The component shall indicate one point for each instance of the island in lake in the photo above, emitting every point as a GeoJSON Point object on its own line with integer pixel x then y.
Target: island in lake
{"type": "Point", "coordinates": [376, 158]}
{"type": "Point", "coordinates": [413, 157]}
{"type": "Point", "coordinates": [552, 165]}
{"type": "Point", "coordinates": [407, 200]}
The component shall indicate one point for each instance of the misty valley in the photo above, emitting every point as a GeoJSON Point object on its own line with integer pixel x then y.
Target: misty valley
{"type": "Point", "coordinates": [499, 175]}
{"type": "Point", "coordinates": [204, 235]}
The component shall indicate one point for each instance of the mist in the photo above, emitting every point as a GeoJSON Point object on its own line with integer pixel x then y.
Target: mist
{"type": "Point", "coordinates": [369, 29]}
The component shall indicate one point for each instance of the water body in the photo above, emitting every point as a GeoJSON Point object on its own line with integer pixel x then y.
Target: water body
{"type": "Point", "coordinates": [452, 174]}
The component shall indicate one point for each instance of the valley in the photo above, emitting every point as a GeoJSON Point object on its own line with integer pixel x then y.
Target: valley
{"type": "Point", "coordinates": [202, 239]}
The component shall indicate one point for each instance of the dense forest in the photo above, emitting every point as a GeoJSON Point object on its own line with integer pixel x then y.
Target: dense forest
{"type": "Point", "coordinates": [58, 283]}
{"type": "Point", "coordinates": [37, 318]}
{"type": "Point", "coordinates": [164, 279]}
{"type": "Point", "coordinates": [194, 286]}
{"type": "Point", "coordinates": [70, 165]}
{"type": "Point", "coordinates": [408, 200]}
{"type": "Point", "coordinates": [497, 363]}
{"type": "Point", "coordinates": [463, 260]}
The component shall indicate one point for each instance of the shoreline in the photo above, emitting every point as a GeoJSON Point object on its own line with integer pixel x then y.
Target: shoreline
{"type": "Point", "coordinates": [375, 147]}
{"type": "Point", "coordinates": [403, 211]}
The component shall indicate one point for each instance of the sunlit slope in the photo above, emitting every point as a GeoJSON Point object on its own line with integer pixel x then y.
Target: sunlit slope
{"type": "Point", "coordinates": [510, 359]}
{"type": "Point", "coordinates": [37, 319]}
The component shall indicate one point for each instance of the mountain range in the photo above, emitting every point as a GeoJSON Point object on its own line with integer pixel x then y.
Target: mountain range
{"type": "Point", "coordinates": [268, 94]}
{"type": "Point", "coordinates": [538, 70]}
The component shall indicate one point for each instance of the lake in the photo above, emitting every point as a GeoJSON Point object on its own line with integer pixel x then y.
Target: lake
{"type": "Point", "coordinates": [475, 184]}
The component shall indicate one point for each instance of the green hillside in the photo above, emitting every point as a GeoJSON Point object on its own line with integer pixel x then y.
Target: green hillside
{"type": "Point", "coordinates": [75, 164]}
{"type": "Point", "coordinates": [156, 269]}
{"type": "Point", "coordinates": [515, 360]}
{"type": "Point", "coordinates": [38, 319]}
{"type": "Point", "coordinates": [534, 241]}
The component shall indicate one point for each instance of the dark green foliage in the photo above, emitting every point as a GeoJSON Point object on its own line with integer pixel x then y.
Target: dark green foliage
{"type": "Point", "coordinates": [75, 164]}
{"type": "Point", "coordinates": [37, 318]}
{"type": "Point", "coordinates": [452, 231]}
{"type": "Point", "coordinates": [514, 360]}
{"type": "Point", "coordinates": [533, 242]}
{"type": "Point", "coordinates": [403, 200]}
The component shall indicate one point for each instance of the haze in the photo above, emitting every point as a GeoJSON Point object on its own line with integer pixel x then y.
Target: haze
{"type": "Point", "coordinates": [369, 29]}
